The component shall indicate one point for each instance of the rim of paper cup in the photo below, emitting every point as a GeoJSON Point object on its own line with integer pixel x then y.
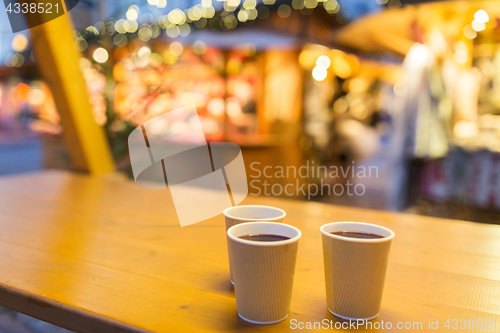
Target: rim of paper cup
{"type": "Point", "coordinates": [227, 214]}
{"type": "Point", "coordinates": [260, 243]}
{"type": "Point", "coordinates": [262, 322]}
{"type": "Point", "coordinates": [359, 240]}
{"type": "Point", "coordinates": [353, 319]}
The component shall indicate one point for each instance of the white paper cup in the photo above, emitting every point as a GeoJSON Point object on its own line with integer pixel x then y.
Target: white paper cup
{"type": "Point", "coordinates": [263, 271]}
{"type": "Point", "coordinates": [250, 213]}
{"type": "Point", "coordinates": [355, 269]}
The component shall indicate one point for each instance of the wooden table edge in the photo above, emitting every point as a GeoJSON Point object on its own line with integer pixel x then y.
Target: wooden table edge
{"type": "Point", "coordinates": [72, 318]}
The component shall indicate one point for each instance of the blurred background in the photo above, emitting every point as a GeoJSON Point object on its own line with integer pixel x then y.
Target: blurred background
{"type": "Point", "coordinates": [411, 87]}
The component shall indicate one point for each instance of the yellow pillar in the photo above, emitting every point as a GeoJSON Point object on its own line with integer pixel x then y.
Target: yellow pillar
{"type": "Point", "coordinates": [58, 61]}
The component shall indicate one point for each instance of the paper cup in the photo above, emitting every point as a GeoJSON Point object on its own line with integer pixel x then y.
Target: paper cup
{"type": "Point", "coordinates": [250, 213]}
{"type": "Point", "coordinates": [355, 269]}
{"type": "Point", "coordinates": [263, 271]}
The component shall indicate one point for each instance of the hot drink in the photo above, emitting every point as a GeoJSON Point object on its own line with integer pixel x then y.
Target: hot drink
{"type": "Point", "coordinates": [264, 238]}
{"type": "Point", "coordinates": [355, 256]}
{"type": "Point", "coordinates": [356, 234]}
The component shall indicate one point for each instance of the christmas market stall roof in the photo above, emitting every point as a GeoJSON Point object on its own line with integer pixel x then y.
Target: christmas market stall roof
{"type": "Point", "coordinates": [282, 24]}
{"type": "Point", "coordinates": [396, 29]}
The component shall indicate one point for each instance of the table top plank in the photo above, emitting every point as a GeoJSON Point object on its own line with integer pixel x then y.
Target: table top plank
{"type": "Point", "coordinates": [111, 249]}
{"type": "Point", "coordinates": [140, 301]}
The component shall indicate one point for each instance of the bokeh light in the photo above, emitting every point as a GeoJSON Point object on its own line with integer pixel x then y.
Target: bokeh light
{"type": "Point", "coordinates": [252, 13]}
{"type": "Point", "coordinates": [14, 60]}
{"type": "Point", "coordinates": [22, 92]}
{"type": "Point", "coordinates": [319, 73]}
{"type": "Point", "coordinates": [120, 40]}
{"type": "Point", "coordinates": [120, 26]}
{"type": "Point", "coordinates": [195, 13]}
{"type": "Point", "coordinates": [184, 29]}
{"type": "Point", "coordinates": [37, 97]}
{"type": "Point", "coordinates": [478, 26]}
{"type": "Point", "coordinates": [249, 49]}
{"type": "Point", "coordinates": [80, 44]}
{"type": "Point", "coordinates": [481, 16]}
{"type": "Point", "coordinates": [176, 48]}
{"type": "Point", "coordinates": [230, 22]}
{"type": "Point", "coordinates": [172, 31]}
{"type": "Point", "coordinates": [323, 61]}
{"type": "Point", "coordinates": [332, 6]}
{"type": "Point", "coordinates": [177, 16]}
{"type": "Point", "coordinates": [132, 26]}
{"type": "Point", "coordinates": [93, 30]}
{"type": "Point", "coordinates": [242, 15]}
{"type": "Point", "coordinates": [310, 4]}
{"type": "Point", "coordinates": [247, 4]}
{"type": "Point", "coordinates": [100, 55]}
{"type": "Point", "coordinates": [216, 107]}
{"type": "Point", "coordinates": [199, 47]}
{"type": "Point", "coordinates": [19, 43]}
{"type": "Point", "coordinates": [263, 12]}
{"type": "Point", "coordinates": [132, 14]}
{"type": "Point", "coordinates": [469, 33]}
{"type": "Point", "coordinates": [284, 11]}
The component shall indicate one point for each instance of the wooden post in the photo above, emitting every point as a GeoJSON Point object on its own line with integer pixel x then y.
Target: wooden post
{"type": "Point", "coordinates": [59, 63]}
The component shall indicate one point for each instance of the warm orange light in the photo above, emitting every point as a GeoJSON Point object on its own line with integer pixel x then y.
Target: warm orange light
{"type": "Point", "coordinates": [19, 43]}
{"type": "Point", "coordinates": [22, 92]}
{"type": "Point", "coordinates": [307, 59]}
{"type": "Point", "coordinates": [37, 97]}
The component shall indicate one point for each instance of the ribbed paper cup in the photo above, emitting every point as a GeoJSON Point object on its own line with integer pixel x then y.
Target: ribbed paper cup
{"type": "Point", "coordinates": [263, 271]}
{"type": "Point", "coordinates": [355, 269]}
{"type": "Point", "coordinates": [250, 213]}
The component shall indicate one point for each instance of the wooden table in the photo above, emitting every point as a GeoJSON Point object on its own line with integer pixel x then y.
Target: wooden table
{"type": "Point", "coordinates": [102, 255]}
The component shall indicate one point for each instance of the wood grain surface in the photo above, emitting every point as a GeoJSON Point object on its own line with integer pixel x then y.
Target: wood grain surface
{"type": "Point", "coordinates": [95, 254]}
